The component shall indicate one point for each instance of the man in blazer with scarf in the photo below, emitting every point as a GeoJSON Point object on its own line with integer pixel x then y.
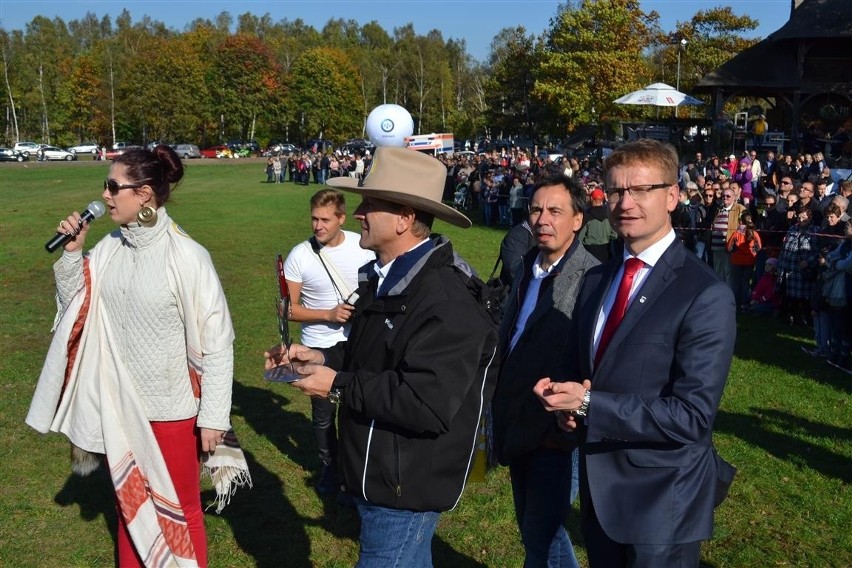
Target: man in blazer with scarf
{"type": "Point", "coordinates": [540, 456]}
{"type": "Point", "coordinates": [645, 401]}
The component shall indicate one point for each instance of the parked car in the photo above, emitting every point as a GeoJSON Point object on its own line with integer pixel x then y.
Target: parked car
{"type": "Point", "coordinates": [84, 148]}
{"type": "Point", "coordinates": [121, 145]}
{"type": "Point", "coordinates": [27, 148]}
{"type": "Point", "coordinates": [244, 148]}
{"type": "Point", "coordinates": [279, 148]}
{"type": "Point", "coordinates": [220, 151]}
{"type": "Point", "coordinates": [10, 155]}
{"type": "Point", "coordinates": [187, 151]}
{"type": "Point", "coordinates": [52, 153]}
{"type": "Point", "coordinates": [358, 146]}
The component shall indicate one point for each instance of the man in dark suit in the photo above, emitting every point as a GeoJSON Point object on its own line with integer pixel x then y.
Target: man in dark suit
{"type": "Point", "coordinates": [656, 331]}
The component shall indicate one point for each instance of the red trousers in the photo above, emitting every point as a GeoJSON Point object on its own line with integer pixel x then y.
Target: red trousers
{"type": "Point", "coordinates": [180, 445]}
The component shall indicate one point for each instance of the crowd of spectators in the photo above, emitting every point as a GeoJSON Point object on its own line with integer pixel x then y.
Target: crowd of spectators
{"type": "Point", "coordinates": [775, 228]}
{"type": "Point", "coordinates": [302, 167]}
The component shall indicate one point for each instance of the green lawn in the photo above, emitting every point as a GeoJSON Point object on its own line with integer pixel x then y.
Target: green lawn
{"type": "Point", "coordinates": [784, 422]}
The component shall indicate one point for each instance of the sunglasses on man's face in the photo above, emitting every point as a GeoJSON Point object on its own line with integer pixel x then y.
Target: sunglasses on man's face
{"type": "Point", "coordinates": [113, 187]}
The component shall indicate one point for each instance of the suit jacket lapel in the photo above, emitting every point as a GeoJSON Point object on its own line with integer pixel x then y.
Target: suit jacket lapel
{"type": "Point", "coordinates": [544, 304]}
{"type": "Point", "coordinates": [595, 288]}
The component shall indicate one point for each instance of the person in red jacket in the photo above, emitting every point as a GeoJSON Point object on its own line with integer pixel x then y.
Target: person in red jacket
{"type": "Point", "coordinates": [743, 247]}
{"type": "Point", "coordinates": [764, 299]}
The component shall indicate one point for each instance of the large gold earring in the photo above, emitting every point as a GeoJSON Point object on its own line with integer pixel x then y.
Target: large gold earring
{"type": "Point", "coordinates": [147, 216]}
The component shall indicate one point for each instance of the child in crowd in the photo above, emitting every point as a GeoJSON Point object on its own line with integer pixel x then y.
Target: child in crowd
{"type": "Point", "coordinates": [764, 299]}
{"type": "Point", "coordinates": [743, 247]}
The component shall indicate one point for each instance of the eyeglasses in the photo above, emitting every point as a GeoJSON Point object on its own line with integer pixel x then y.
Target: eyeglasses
{"type": "Point", "coordinates": [114, 187]}
{"type": "Point", "coordinates": [637, 192]}
{"type": "Point", "coordinates": [785, 182]}
{"type": "Point", "coordinates": [727, 195]}
{"type": "Point", "coordinates": [710, 194]}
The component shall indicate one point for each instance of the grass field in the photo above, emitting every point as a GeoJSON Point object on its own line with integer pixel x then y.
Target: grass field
{"type": "Point", "coordinates": [784, 422]}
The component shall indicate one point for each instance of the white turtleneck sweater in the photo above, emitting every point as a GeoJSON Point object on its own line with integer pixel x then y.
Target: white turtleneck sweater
{"type": "Point", "coordinates": [142, 304]}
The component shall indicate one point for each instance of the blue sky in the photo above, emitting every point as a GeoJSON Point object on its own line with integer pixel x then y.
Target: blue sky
{"type": "Point", "coordinates": [477, 21]}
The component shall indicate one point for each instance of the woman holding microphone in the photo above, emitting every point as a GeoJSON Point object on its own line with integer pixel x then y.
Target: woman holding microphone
{"type": "Point", "coordinates": [141, 365]}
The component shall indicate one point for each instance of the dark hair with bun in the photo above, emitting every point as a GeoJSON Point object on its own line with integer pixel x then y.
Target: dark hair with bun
{"type": "Point", "coordinates": [160, 168]}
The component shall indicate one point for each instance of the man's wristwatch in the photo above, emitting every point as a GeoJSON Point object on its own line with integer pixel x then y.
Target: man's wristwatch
{"type": "Point", "coordinates": [334, 396]}
{"type": "Point", "coordinates": [584, 406]}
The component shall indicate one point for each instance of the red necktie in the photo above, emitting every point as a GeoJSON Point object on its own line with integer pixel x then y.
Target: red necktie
{"type": "Point", "coordinates": [631, 267]}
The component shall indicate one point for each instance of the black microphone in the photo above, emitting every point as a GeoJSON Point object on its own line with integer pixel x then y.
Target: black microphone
{"type": "Point", "coordinates": [92, 212]}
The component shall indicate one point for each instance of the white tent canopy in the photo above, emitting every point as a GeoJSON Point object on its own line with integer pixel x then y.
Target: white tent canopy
{"type": "Point", "coordinates": [658, 94]}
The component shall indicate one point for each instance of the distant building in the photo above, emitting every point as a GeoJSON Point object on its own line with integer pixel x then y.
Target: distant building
{"type": "Point", "coordinates": [803, 72]}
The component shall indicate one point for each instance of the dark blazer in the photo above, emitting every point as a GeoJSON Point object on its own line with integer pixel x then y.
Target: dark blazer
{"type": "Point", "coordinates": [520, 422]}
{"type": "Point", "coordinates": [648, 462]}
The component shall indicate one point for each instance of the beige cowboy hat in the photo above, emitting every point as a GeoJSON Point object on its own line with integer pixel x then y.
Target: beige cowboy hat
{"type": "Point", "coordinates": [405, 177]}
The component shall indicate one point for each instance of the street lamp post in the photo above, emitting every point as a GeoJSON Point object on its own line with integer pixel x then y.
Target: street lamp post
{"type": "Point", "coordinates": [680, 48]}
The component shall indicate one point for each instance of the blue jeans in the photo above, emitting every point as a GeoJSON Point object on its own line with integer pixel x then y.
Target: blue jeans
{"type": "Point", "coordinates": [395, 538]}
{"type": "Point", "coordinates": [740, 280]}
{"type": "Point", "coordinates": [488, 211]}
{"type": "Point", "coordinates": [822, 331]}
{"type": "Point", "coordinates": [722, 265]}
{"type": "Point", "coordinates": [503, 214]}
{"type": "Point", "coordinates": [700, 250]}
{"type": "Point", "coordinates": [544, 484]}
{"type": "Point", "coordinates": [840, 323]}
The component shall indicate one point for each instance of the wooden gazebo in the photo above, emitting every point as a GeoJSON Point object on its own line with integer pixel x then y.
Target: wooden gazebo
{"type": "Point", "coordinates": [803, 72]}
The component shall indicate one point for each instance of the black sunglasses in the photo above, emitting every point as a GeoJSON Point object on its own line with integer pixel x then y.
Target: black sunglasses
{"type": "Point", "coordinates": [114, 187]}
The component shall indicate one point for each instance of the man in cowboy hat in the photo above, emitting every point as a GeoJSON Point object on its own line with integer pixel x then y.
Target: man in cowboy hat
{"type": "Point", "coordinates": [418, 369]}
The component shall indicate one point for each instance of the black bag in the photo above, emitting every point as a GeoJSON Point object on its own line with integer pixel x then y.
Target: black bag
{"type": "Point", "coordinates": [489, 295]}
{"type": "Point", "coordinates": [497, 293]}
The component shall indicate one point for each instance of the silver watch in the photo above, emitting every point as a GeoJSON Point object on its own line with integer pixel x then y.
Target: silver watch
{"type": "Point", "coordinates": [584, 406]}
{"type": "Point", "coordinates": [334, 396]}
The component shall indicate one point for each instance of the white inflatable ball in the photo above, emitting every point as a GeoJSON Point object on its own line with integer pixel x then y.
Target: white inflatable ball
{"type": "Point", "coordinates": [388, 125]}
